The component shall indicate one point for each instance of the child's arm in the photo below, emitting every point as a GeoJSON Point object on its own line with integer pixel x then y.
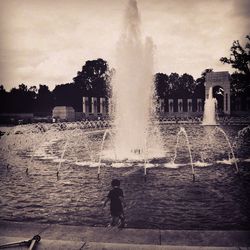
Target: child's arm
{"type": "Point", "coordinates": [122, 201]}
{"type": "Point", "coordinates": [105, 202]}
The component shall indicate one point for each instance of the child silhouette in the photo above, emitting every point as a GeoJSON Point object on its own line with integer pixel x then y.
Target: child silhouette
{"type": "Point", "coordinates": [116, 198]}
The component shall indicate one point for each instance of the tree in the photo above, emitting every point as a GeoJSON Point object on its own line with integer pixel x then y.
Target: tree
{"type": "Point", "coordinates": [199, 90]}
{"type": "Point", "coordinates": [68, 95]}
{"type": "Point", "coordinates": [94, 78]}
{"type": "Point", "coordinates": [33, 89]}
{"type": "Point", "coordinates": [186, 85]}
{"type": "Point", "coordinates": [3, 99]}
{"type": "Point", "coordinates": [20, 100]}
{"type": "Point", "coordinates": [240, 60]}
{"type": "Point", "coordinates": [239, 57]}
{"type": "Point", "coordinates": [173, 83]}
{"type": "Point", "coordinates": [2, 90]}
{"type": "Point", "coordinates": [44, 100]}
{"type": "Point", "coordinates": [161, 84]}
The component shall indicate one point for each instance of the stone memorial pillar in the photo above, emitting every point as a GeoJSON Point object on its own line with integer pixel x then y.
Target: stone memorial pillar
{"type": "Point", "coordinates": [94, 105]}
{"type": "Point", "coordinates": [199, 105]}
{"type": "Point", "coordinates": [161, 104]}
{"type": "Point", "coordinates": [171, 105]}
{"type": "Point", "coordinates": [87, 105]}
{"type": "Point", "coordinates": [227, 101]}
{"type": "Point", "coordinates": [222, 79]}
{"type": "Point", "coordinates": [189, 105]}
{"type": "Point", "coordinates": [84, 104]}
{"type": "Point", "coordinates": [89, 108]}
{"type": "Point", "coordinates": [102, 106]}
{"type": "Point", "coordinates": [109, 106]}
{"type": "Point", "coordinates": [180, 105]}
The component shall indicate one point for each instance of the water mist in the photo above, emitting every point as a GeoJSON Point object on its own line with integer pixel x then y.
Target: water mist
{"type": "Point", "coordinates": [133, 91]}
{"type": "Point", "coordinates": [209, 116]}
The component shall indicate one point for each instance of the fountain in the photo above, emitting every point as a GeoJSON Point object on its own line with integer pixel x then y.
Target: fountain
{"type": "Point", "coordinates": [133, 92]}
{"type": "Point", "coordinates": [102, 146]}
{"type": "Point", "coordinates": [126, 151]}
{"type": "Point", "coordinates": [231, 149]}
{"type": "Point", "coordinates": [183, 131]}
{"type": "Point", "coordinates": [209, 116]}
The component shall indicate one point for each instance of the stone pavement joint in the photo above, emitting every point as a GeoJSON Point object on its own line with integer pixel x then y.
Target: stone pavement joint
{"type": "Point", "coordinates": [55, 236]}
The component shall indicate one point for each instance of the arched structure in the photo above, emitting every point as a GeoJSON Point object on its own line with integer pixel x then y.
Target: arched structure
{"type": "Point", "coordinates": [221, 78]}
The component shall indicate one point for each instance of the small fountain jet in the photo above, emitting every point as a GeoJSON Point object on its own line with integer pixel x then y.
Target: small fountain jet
{"type": "Point", "coordinates": [209, 116]}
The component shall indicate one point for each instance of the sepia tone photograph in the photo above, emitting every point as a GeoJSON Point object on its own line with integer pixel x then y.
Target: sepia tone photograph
{"type": "Point", "coordinates": [125, 124]}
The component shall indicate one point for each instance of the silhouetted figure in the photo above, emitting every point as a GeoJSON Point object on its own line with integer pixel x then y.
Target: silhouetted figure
{"type": "Point", "coordinates": [116, 198]}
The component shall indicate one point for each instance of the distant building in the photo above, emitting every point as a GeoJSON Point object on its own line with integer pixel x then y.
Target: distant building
{"type": "Point", "coordinates": [63, 113]}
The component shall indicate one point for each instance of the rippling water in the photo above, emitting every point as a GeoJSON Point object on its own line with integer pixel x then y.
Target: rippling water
{"type": "Point", "coordinates": [218, 199]}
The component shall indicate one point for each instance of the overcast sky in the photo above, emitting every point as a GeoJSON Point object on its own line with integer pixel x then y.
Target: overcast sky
{"type": "Point", "coordinates": [47, 42]}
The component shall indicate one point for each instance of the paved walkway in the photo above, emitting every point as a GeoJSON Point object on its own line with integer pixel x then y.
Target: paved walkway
{"type": "Point", "coordinates": [54, 236]}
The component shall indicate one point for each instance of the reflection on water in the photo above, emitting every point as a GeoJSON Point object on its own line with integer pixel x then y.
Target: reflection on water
{"type": "Point", "coordinates": [219, 199]}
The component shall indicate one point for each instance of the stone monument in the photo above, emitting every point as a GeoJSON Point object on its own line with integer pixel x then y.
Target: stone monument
{"type": "Point", "coordinates": [222, 79]}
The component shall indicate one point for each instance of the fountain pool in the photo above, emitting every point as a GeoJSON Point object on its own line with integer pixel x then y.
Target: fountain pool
{"type": "Point", "coordinates": [48, 172]}
{"type": "Point", "coordinates": [218, 199]}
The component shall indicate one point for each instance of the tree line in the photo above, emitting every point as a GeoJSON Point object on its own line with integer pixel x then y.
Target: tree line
{"type": "Point", "coordinates": [92, 80]}
{"type": "Point", "coordinates": [95, 77]}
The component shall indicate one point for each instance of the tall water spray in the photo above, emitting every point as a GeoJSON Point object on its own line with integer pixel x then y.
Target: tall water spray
{"type": "Point", "coordinates": [209, 116]}
{"type": "Point", "coordinates": [132, 87]}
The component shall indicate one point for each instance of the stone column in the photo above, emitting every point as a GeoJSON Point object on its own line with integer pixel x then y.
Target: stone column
{"type": "Point", "coordinates": [171, 105]}
{"type": "Point", "coordinates": [227, 101]}
{"type": "Point", "coordinates": [84, 104]}
{"type": "Point", "coordinates": [109, 106]}
{"type": "Point", "coordinates": [162, 110]}
{"type": "Point", "coordinates": [180, 105]}
{"type": "Point", "coordinates": [199, 105]}
{"type": "Point", "coordinates": [102, 106]}
{"type": "Point", "coordinates": [189, 105]}
{"type": "Point", "coordinates": [88, 103]}
{"type": "Point", "coordinates": [94, 105]}
{"type": "Point", "coordinates": [89, 109]}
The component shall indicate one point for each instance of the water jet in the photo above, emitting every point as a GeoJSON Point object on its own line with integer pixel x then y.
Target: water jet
{"type": "Point", "coordinates": [209, 115]}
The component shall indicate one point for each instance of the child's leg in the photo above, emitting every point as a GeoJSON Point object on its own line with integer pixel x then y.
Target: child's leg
{"type": "Point", "coordinates": [114, 221]}
{"type": "Point", "coordinates": [122, 218]}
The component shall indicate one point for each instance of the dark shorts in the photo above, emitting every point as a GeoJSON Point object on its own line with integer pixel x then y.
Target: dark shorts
{"type": "Point", "coordinates": [116, 213]}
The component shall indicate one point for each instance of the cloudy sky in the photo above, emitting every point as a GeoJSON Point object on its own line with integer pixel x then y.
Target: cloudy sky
{"type": "Point", "coordinates": [47, 42]}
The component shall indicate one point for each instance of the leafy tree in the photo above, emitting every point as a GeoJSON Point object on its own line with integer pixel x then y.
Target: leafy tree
{"type": "Point", "coordinates": [94, 78]}
{"type": "Point", "coordinates": [199, 90]}
{"type": "Point", "coordinates": [173, 83]}
{"type": "Point", "coordinates": [44, 99]}
{"type": "Point", "coordinates": [33, 89]}
{"type": "Point", "coordinates": [22, 88]}
{"type": "Point", "coordinates": [239, 57]}
{"type": "Point", "coordinates": [2, 90]}
{"type": "Point", "coordinates": [161, 84]}
{"type": "Point", "coordinates": [3, 99]}
{"type": "Point", "coordinates": [20, 100]}
{"type": "Point", "coordinates": [186, 85]}
{"type": "Point", "coordinates": [67, 95]}
{"type": "Point", "coordinates": [240, 60]}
